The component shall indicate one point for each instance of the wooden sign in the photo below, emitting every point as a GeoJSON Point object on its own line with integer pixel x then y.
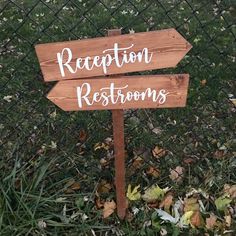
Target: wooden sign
{"type": "Point", "coordinates": [111, 55]}
{"type": "Point", "coordinates": [123, 92]}
{"type": "Point", "coordinates": [116, 54]}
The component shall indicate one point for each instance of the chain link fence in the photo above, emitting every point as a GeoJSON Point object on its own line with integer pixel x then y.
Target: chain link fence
{"type": "Point", "coordinates": [199, 138]}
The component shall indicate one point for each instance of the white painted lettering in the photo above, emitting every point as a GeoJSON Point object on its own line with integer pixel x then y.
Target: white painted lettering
{"type": "Point", "coordinates": [116, 55]}
{"type": "Point", "coordinates": [117, 95]}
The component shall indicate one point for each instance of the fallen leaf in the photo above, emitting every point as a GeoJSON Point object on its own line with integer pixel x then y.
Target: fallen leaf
{"type": "Point", "coordinates": [153, 172]}
{"type": "Point", "coordinates": [197, 191]}
{"type": "Point", "coordinates": [177, 174]}
{"type": "Point", "coordinates": [233, 100]}
{"type": "Point", "coordinates": [99, 203]}
{"type": "Point", "coordinates": [166, 216]}
{"type": "Point", "coordinates": [42, 224]}
{"type": "Point", "coordinates": [191, 204]}
{"type": "Point", "coordinates": [133, 195]}
{"type": "Point", "coordinates": [163, 232]}
{"type": "Point", "coordinates": [104, 162]}
{"type": "Point", "coordinates": [158, 152]}
{"type": "Point", "coordinates": [100, 145]}
{"type": "Point", "coordinates": [82, 135]}
{"type": "Point", "coordinates": [154, 193]}
{"type": "Point", "coordinates": [68, 186]}
{"type": "Point", "coordinates": [203, 82]}
{"type": "Point", "coordinates": [230, 190]}
{"type": "Point", "coordinates": [211, 221]}
{"type": "Point", "coordinates": [196, 219]}
{"type": "Point", "coordinates": [109, 208]}
{"type": "Point", "coordinates": [69, 183]}
{"type": "Point", "coordinates": [75, 186]}
{"type": "Point", "coordinates": [222, 202]}
{"type": "Point", "coordinates": [17, 183]}
{"type": "Point", "coordinates": [84, 217]}
{"type": "Point", "coordinates": [185, 220]}
{"type": "Point", "coordinates": [153, 204]}
{"type": "Point", "coordinates": [137, 163]}
{"type": "Point", "coordinates": [104, 187]}
{"type": "Point", "coordinates": [189, 160]}
{"type": "Point", "coordinates": [61, 199]}
{"type": "Point", "coordinates": [219, 154]}
{"type": "Point", "coordinates": [228, 220]}
{"type": "Point", "coordinates": [109, 142]}
{"type": "Point", "coordinates": [8, 98]}
{"type": "Point", "coordinates": [131, 31]}
{"type": "Point", "coordinates": [53, 114]}
{"type": "Point", "coordinates": [53, 145]}
{"type": "Point", "coordinates": [167, 202]}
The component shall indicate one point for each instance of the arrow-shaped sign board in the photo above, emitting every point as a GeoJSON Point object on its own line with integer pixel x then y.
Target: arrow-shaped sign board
{"type": "Point", "coordinates": [88, 61]}
{"type": "Point", "coordinates": [122, 92]}
{"type": "Point", "coordinates": [111, 55]}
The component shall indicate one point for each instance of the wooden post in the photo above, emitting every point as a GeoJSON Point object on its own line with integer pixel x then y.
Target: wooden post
{"type": "Point", "coordinates": [119, 149]}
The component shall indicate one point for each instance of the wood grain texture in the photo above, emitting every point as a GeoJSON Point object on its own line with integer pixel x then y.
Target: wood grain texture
{"type": "Point", "coordinates": [168, 48]}
{"type": "Point", "coordinates": [119, 152]}
{"type": "Point", "coordinates": [64, 94]}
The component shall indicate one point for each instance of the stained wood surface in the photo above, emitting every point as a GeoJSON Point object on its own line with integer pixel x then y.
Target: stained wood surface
{"type": "Point", "coordinates": [168, 47]}
{"type": "Point", "coordinates": [64, 93]}
{"type": "Point", "coordinates": [119, 152]}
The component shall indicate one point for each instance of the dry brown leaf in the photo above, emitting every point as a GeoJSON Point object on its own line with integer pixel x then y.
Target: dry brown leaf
{"type": "Point", "coordinates": [109, 208]}
{"type": "Point", "coordinates": [68, 185]}
{"type": "Point", "coordinates": [191, 204]}
{"type": "Point", "coordinates": [177, 174]}
{"type": "Point", "coordinates": [167, 202]}
{"type": "Point", "coordinates": [17, 183]}
{"type": "Point", "coordinates": [189, 160]}
{"type": "Point", "coordinates": [231, 190]}
{"type": "Point", "coordinates": [82, 135]}
{"type": "Point", "coordinates": [81, 148]}
{"type": "Point", "coordinates": [99, 203]}
{"type": "Point", "coordinates": [228, 220]}
{"type": "Point", "coordinates": [211, 221]}
{"type": "Point", "coordinates": [104, 162]}
{"type": "Point", "coordinates": [137, 163]}
{"type": "Point", "coordinates": [69, 190]}
{"type": "Point", "coordinates": [154, 204]}
{"type": "Point", "coordinates": [203, 82]}
{"type": "Point", "coordinates": [153, 172]}
{"type": "Point", "coordinates": [219, 154]}
{"type": "Point", "coordinates": [196, 219]}
{"type": "Point", "coordinates": [101, 145]}
{"type": "Point", "coordinates": [104, 187]}
{"type": "Point", "coordinates": [158, 152]}
{"type": "Point", "coordinates": [75, 186]}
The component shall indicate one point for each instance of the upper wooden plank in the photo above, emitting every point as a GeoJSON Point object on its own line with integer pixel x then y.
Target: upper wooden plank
{"type": "Point", "coordinates": [111, 55]}
{"type": "Point", "coordinates": [121, 92]}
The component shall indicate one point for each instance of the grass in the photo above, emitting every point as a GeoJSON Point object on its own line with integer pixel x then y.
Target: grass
{"type": "Point", "coordinates": [44, 151]}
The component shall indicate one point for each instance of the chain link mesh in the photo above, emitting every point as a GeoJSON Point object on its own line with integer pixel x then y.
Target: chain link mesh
{"type": "Point", "coordinates": [34, 131]}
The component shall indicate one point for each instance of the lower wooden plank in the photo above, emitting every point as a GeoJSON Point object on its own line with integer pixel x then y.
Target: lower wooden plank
{"type": "Point", "coordinates": [122, 92]}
